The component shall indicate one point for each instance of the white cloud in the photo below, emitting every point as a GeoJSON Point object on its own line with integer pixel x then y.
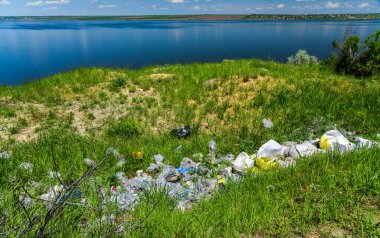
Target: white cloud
{"type": "Point", "coordinates": [107, 6]}
{"type": "Point", "coordinates": [363, 5]}
{"type": "Point", "coordinates": [5, 2]}
{"type": "Point", "coordinates": [197, 8]}
{"type": "Point", "coordinates": [42, 3]}
{"type": "Point", "coordinates": [332, 5]}
{"type": "Point", "coordinates": [280, 5]}
{"type": "Point", "coordinates": [177, 1]}
{"type": "Point", "coordinates": [305, 0]}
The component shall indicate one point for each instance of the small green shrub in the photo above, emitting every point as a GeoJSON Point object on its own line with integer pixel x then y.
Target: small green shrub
{"type": "Point", "coordinates": [125, 127]}
{"type": "Point", "coordinates": [302, 57]}
{"type": "Point", "coordinates": [356, 58]}
{"type": "Point", "coordinates": [117, 84]}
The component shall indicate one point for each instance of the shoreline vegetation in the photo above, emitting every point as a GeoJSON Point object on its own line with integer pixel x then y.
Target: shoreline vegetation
{"type": "Point", "coordinates": [222, 17]}
{"type": "Point", "coordinates": [51, 127]}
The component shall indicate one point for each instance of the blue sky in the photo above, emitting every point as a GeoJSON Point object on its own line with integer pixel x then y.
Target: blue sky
{"type": "Point", "coordinates": [159, 7]}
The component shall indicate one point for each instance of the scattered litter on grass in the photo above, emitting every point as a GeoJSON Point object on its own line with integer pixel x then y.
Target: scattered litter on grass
{"type": "Point", "coordinates": [27, 167]}
{"type": "Point", "coordinates": [89, 162]}
{"type": "Point", "coordinates": [138, 155]}
{"type": "Point", "coordinates": [5, 155]}
{"type": "Point", "coordinates": [182, 132]}
{"type": "Point", "coordinates": [361, 142]}
{"type": "Point", "coordinates": [334, 140]}
{"type": "Point", "coordinates": [195, 179]}
{"type": "Point", "coordinates": [267, 123]}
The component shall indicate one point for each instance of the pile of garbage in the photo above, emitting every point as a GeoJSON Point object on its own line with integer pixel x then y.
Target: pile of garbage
{"type": "Point", "coordinates": [191, 181]}
{"type": "Point", "coordinates": [198, 177]}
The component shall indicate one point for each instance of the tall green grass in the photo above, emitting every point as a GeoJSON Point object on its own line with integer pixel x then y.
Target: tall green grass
{"type": "Point", "coordinates": [320, 194]}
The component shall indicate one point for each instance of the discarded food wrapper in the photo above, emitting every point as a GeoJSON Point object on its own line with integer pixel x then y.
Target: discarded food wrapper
{"type": "Point", "coordinates": [335, 141]}
{"type": "Point", "coordinates": [267, 123]}
{"type": "Point", "coordinates": [137, 154]}
{"type": "Point", "coordinates": [270, 149]}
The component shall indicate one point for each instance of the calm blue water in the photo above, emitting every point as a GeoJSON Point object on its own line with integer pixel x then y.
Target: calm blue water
{"type": "Point", "coordinates": [34, 49]}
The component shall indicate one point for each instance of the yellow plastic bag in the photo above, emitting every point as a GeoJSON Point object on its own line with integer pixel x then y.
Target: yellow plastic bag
{"type": "Point", "coordinates": [266, 164]}
{"type": "Point", "coordinates": [261, 164]}
{"type": "Point", "coordinates": [324, 143]}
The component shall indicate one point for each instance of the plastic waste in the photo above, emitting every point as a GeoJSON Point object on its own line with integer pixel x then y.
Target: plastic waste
{"type": "Point", "coordinates": [184, 193]}
{"type": "Point", "coordinates": [207, 186]}
{"type": "Point", "coordinates": [267, 123]}
{"type": "Point", "coordinates": [89, 162]}
{"type": "Point", "coordinates": [184, 205]}
{"type": "Point", "coordinates": [27, 167]}
{"type": "Point", "coordinates": [175, 189]}
{"type": "Point", "coordinates": [266, 164]}
{"type": "Point", "coordinates": [170, 174]}
{"type": "Point", "coordinates": [182, 132]}
{"type": "Point", "coordinates": [53, 175]}
{"type": "Point", "coordinates": [305, 149]}
{"type": "Point", "coordinates": [243, 162]}
{"type": "Point", "coordinates": [361, 142]}
{"type": "Point", "coordinates": [225, 171]}
{"type": "Point", "coordinates": [137, 154]}
{"type": "Point", "coordinates": [115, 153]}
{"type": "Point", "coordinates": [153, 168]}
{"type": "Point", "coordinates": [212, 152]}
{"type": "Point", "coordinates": [335, 141]}
{"type": "Point", "coordinates": [228, 159]}
{"type": "Point", "coordinates": [270, 149]}
{"type": "Point", "coordinates": [198, 157]}
{"type": "Point", "coordinates": [185, 170]}
{"type": "Point", "coordinates": [120, 163]}
{"type": "Point", "coordinates": [159, 159]}
{"type": "Point", "coordinates": [120, 175]}
{"type": "Point", "coordinates": [187, 163]}
{"type": "Point", "coordinates": [287, 145]}
{"type": "Point", "coordinates": [5, 155]}
{"type": "Point", "coordinates": [127, 200]}
{"type": "Point", "coordinates": [76, 193]}
{"type": "Point", "coordinates": [139, 173]}
{"type": "Point", "coordinates": [212, 147]}
{"type": "Point", "coordinates": [203, 170]}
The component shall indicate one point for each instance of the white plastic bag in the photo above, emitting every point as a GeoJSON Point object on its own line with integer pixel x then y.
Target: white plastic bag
{"type": "Point", "coordinates": [270, 149]}
{"type": "Point", "coordinates": [335, 141]}
{"type": "Point", "coordinates": [243, 162]}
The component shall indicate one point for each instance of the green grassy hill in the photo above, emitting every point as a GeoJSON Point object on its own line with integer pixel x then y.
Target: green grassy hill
{"type": "Point", "coordinates": [81, 113]}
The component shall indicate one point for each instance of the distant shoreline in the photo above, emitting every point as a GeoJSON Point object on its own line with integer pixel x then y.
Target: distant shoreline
{"type": "Point", "coordinates": [227, 17]}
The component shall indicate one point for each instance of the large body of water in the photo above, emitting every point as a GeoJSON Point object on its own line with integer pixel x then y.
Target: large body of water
{"type": "Point", "coordinates": [34, 49]}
